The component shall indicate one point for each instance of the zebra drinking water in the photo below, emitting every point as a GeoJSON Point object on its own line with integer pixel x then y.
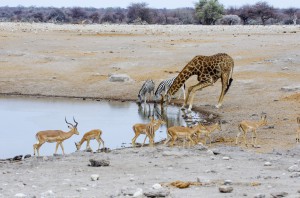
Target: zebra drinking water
{"type": "Point", "coordinates": [165, 86]}
{"type": "Point", "coordinates": [147, 87]}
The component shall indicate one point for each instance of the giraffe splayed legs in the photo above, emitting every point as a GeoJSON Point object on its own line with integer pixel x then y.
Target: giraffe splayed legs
{"type": "Point", "coordinates": [208, 69]}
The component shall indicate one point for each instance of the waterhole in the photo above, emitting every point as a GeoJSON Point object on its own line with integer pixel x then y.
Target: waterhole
{"type": "Point", "coordinates": [22, 117]}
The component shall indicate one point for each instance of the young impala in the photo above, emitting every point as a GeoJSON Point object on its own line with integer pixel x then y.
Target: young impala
{"type": "Point", "coordinates": [181, 132]}
{"type": "Point", "coordinates": [246, 126]}
{"type": "Point", "coordinates": [91, 135]}
{"type": "Point", "coordinates": [57, 136]}
{"type": "Point", "coordinates": [209, 129]}
{"type": "Point", "coordinates": [141, 129]}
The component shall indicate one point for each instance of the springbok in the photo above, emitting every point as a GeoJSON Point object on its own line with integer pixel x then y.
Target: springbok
{"type": "Point", "coordinates": [298, 131]}
{"type": "Point", "coordinates": [175, 132]}
{"type": "Point", "coordinates": [57, 136]}
{"type": "Point", "coordinates": [93, 134]}
{"type": "Point", "coordinates": [142, 129]}
{"type": "Point", "coordinates": [246, 126]}
{"type": "Point", "coordinates": [208, 129]}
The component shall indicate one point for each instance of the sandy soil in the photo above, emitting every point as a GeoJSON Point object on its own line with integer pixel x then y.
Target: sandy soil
{"type": "Point", "coordinates": [76, 61]}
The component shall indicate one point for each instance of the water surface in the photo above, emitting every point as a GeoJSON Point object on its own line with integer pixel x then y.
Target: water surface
{"type": "Point", "coordinates": [21, 118]}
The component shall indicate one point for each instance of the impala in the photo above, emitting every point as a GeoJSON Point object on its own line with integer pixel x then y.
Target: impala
{"type": "Point", "coordinates": [141, 129]}
{"type": "Point", "coordinates": [246, 126]}
{"type": "Point", "coordinates": [175, 132]}
{"type": "Point", "coordinates": [91, 135]}
{"type": "Point", "coordinates": [208, 129]}
{"type": "Point", "coordinates": [57, 136]}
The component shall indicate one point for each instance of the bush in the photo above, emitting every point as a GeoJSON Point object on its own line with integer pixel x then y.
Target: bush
{"type": "Point", "coordinates": [230, 20]}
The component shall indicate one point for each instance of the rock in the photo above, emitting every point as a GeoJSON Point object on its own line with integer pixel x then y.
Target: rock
{"type": "Point", "coordinates": [294, 168]}
{"type": "Point", "coordinates": [18, 158]}
{"type": "Point", "coordinates": [210, 152]}
{"type": "Point", "coordinates": [97, 163]}
{"type": "Point", "coordinates": [279, 194]}
{"type": "Point", "coordinates": [225, 189]}
{"type": "Point", "coordinates": [119, 78]}
{"type": "Point", "coordinates": [94, 177]}
{"type": "Point", "coordinates": [260, 196]}
{"type": "Point", "coordinates": [156, 186]}
{"type": "Point", "coordinates": [211, 116]}
{"type": "Point", "coordinates": [267, 164]}
{"type": "Point", "coordinates": [48, 193]}
{"type": "Point", "coordinates": [225, 158]}
{"type": "Point", "coordinates": [291, 88]}
{"type": "Point", "coordinates": [27, 156]}
{"type": "Point", "coordinates": [227, 182]}
{"type": "Point", "coordinates": [295, 175]}
{"type": "Point", "coordinates": [138, 193]}
{"type": "Point", "coordinates": [20, 195]}
{"type": "Point", "coordinates": [163, 192]}
{"type": "Point", "coordinates": [128, 191]}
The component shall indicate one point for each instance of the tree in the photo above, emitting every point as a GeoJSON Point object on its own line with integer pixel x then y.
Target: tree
{"type": "Point", "coordinates": [138, 11]}
{"type": "Point", "coordinates": [209, 11]}
{"type": "Point", "coordinates": [245, 13]}
{"type": "Point", "coordinates": [264, 11]}
{"type": "Point", "coordinates": [292, 14]}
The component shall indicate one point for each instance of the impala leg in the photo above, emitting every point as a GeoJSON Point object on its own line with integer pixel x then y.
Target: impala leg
{"type": "Point", "coordinates": [101, 142]}
{"type": "Point", "coordinates": [88, 144]}
{"type": "Point", "coordinates": [62, 148]}
{"type": "Point", "coordinates": [134, 139]}
{"type": "Point", "coordinates": [173, 140]}
{"type": "Point", "coordinates": [56, 147]}
{"type": "Point", "coordinates": [145, 140]}
{"type": "Point", "coordinates": [191, 141]}
{"type": "Point", "coordinates": [245, 139]}
{"type": "Point", "coordinates": [38, 147]}
{"type": "Point", "coordinates": [255, 136]}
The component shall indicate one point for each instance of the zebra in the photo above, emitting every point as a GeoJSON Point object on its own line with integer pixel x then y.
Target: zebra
{"type": "Point", "coordinates": [147, 87]}
{"type": "Point", "coordinates": [165, 86]}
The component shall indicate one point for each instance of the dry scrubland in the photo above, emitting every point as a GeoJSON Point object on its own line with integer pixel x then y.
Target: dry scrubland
{"type": "Point", "coordinates": [76, 61]}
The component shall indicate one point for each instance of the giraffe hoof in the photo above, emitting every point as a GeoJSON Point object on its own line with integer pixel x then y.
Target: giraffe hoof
{"type": "Point", "coordinates": [218, 106]}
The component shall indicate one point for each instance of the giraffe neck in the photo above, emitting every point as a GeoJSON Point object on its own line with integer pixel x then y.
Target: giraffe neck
{"type": "Point", "coordinates": [180, 80]}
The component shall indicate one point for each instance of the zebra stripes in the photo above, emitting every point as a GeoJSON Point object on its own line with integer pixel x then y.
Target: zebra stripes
{"type": "Point", "coordinates": [147, 87]}
{"type": "Point", "coordinates": [165, 86]}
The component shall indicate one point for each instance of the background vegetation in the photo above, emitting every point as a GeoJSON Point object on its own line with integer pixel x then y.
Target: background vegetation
{"type": "Point", "coordinates": [206, 12]}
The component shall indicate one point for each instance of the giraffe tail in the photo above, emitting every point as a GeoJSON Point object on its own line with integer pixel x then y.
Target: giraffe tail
{"type": "Point", "coordinates": [230, 80]}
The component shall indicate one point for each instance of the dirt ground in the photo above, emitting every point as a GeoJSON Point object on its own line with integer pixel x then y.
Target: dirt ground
{"type": "Point", "coordinates": [77, 60]}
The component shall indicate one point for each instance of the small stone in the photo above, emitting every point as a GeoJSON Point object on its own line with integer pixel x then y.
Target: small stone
{"type": "Point", "coordinates": [18, 158]}
{"type": "Point", "coordinates": [279, 194]}
{"type": "Point", "coordinates": [156, 186]}
{"type": "Point", "coordinates": [225, 158]}
{"type": "Point", "coordinates": [94, 177]}
{"type": "Point", "coordinates": [119, 78]}
{"type": "Point", "coordinates": [138, 193]}
{"type": "Point", "coordinates": [294, 168]}
{"type": "Point", "coordinates": [163, 192]}
{"type": "Point", "coordinates": [211, 116]}
{"type": "Point", "coordinates": [48, 193]}
{"type": "Point", "coordinates": [267, 164]}
{"type": "Point", "coordinates": [27, 156]}
{"type": "Point", "coordinates": [97, 163]}
{"type": "Point", "coordinates": [225, 189]}
{"type": "Point", "coordinates": [210, 152]}
{"type": "Point", "coordinates": [20, 195]}
{"type": "Point", "coordinates": [131, 179]}
{"type": "Point", "coordinates": [295, 175]}
{"type": "Point", "coordinates": [260, 196]}
{"type": "Point", "coordinates": [229, 167]}
{"type": "Point", "coordinates": [227, 182]}
{"type": "Point", "coordinates": [291, 88]}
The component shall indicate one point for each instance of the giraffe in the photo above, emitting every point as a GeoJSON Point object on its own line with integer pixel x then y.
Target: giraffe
{"type": "Point", "coordinates": [208, 69]}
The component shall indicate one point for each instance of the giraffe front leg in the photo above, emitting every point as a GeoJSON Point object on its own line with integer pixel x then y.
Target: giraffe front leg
{"type": "Point", "coordinates": [195, 88]}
